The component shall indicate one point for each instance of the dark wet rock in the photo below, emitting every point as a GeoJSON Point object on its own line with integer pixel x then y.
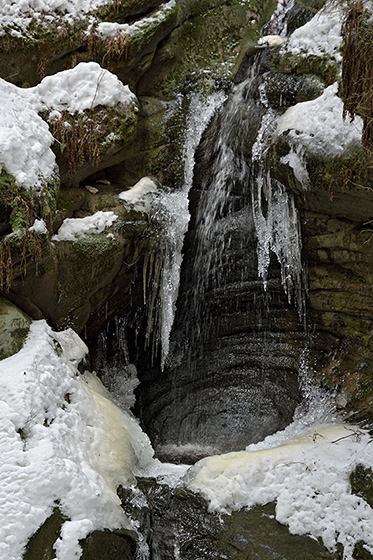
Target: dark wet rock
{"type": "Point", "coordinates": [301, 13]}
{"type": "Point", "coordinates": [361, 480]}
{"type": "Point", "coordinates": [40, 546]}
{"type": "Point", "coordinates": [284, 90]}
{"type": "Point", "coordinates": [336, 210]}
{"type": "Point", "coordinates": [109, 545]}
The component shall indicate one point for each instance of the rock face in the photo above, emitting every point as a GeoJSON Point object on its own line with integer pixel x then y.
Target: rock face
{"type": "Point", "coordinates": [235, 348]}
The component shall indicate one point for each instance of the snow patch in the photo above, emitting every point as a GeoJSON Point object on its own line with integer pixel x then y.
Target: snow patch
{"type": "Point", "coordinates": [25, 139]}
{"type": "Point", "coordinates": [139, 190]}
{"type": "Point", "coordinates": [76, 228]}
{"type": "Point", "coordinates": [85, 86]}
{"type": "Point", "coordinates": [321, 35]}
{"type": "Point", "coordinates": [319, 126]}
{"type": "Point", "coordinates": [108, 29]}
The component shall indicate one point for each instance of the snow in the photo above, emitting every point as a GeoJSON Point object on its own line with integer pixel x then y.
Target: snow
{"type": "Point", "coordinates": [18, 14]}
{"type": "Point", "coordinates": [271, 40]}
{"type": "Point", "coordinates": [72, 229]}
{"type": "Point", "coordinates": [307, 476]}
{"type": "Point", "coordinates": [39, 227]}
{"type": "Point", "coordinates": [139, 190]}
{"type": "Point", "coordinates": [321, 35]}
{"type": "Point", "coordinates": [318, 125]}
{"type": "Point", "coordinates": [85, 86]}
{"type": "Point", "coordinates": [25, 139]}
{"type": "Point", "coordinates": [62, 441]}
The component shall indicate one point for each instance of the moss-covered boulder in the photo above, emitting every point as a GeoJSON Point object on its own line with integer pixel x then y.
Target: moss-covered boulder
{"type": "Point", "coordinates": [91, 140]}
{"type": "Point", "coordinates": [14, 328]}
{"type": "Point", "coordinates": [208, 45]}
{"type": "Point", "coordinates": [48, 43]}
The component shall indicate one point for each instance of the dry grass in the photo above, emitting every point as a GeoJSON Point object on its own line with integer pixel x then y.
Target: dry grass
{"type": "Point", "coordinates": [112, 48]}
{"type": "Point", "coordinates": [80, 135]}
{"type": "Point", "coordinates": [357, 68]}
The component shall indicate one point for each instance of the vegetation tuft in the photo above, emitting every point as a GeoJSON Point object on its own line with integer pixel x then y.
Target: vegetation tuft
{"type": "Point", "coordinates": [23, 208]}
{"type": "Point", "coordinates": [112, 48]}
{"type": "Point", "coordinates": [357, 68]}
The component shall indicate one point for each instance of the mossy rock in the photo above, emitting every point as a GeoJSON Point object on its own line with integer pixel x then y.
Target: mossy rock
{"type": "Point", "coordinates": [109, 545]}
{"type": "Point", "coordinates": [207, 46]}
{"type": "Point", "coordinates": [324, 67]}
{"type": "Point", "coordinates": [50, 46]}
{"type": "Point", "coordinates": [95, 140]}
{"type": "Point", "coordinates": [360, 552]}
{"type": "Point", "coordinates": [14, 328]}
{"type": "Point", "coordinates": [40, 546]}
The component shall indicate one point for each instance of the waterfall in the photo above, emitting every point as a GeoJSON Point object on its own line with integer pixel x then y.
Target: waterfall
{"type": "Point", "coordinates": [227, 361]}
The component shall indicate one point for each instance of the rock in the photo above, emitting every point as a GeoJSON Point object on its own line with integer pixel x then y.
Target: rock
{"type": "Point", "coordinates": [40, 546]}
{"type": "Point", "coordinates": [14, 328]}
{"type": "Point", "coordinates": [109, 545]}
{"type": "Point", "coordinates": [284, 90]}
{"type": "Point", "coordinates": [177, 519]}
{"type": "Point", "coordinates": [90, 189]}
{"type": "Point", "coordinates": [361, 480]}
{"type": "Point", "coordinates": [103, 182]}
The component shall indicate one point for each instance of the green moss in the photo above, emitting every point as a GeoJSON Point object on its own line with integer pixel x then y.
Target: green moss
{"type": "Point", "coordinates": [146, 32]}
{"type": "Point", "coordinates": [69, 199]}
{"type": "Point", "coordinates": [360, 552]}
{"type": "Point", "coordinates": [207, 47]}
{"type": "Point", "coordinates": [322, 66]}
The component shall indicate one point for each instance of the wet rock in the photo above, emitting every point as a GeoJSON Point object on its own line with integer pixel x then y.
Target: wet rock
{"type": "Point", "coordinates": [283, 90]}
{"type": "Point", "coordinates": [179, 525]}
{"type": "Point", "coordinates": [361, 480]}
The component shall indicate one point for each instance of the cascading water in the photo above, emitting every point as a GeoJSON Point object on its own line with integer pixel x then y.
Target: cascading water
{"type": "Point", "coordinates": [233, 357]}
